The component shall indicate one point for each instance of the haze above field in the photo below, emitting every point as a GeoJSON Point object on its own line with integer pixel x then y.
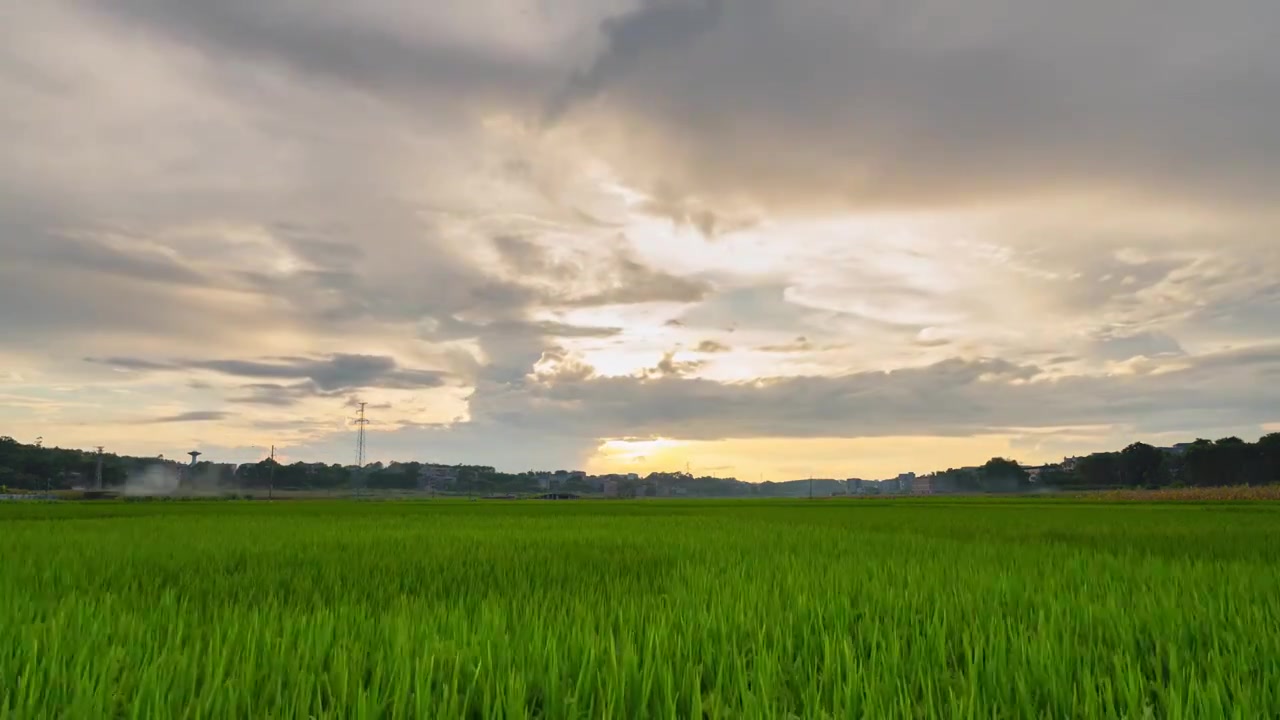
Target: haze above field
{"type": "Point", "coordinates": [765, 238]}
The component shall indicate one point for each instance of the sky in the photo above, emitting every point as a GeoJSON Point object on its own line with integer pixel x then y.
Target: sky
{"type": "Point", "coordinates": [751, 238]}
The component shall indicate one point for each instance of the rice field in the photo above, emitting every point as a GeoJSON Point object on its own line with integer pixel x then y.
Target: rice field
{"type": "Point", "coordinates": [883, 609]}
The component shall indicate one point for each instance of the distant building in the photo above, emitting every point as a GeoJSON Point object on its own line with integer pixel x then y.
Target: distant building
{"type": "Point", "coordinates": [922, 485]}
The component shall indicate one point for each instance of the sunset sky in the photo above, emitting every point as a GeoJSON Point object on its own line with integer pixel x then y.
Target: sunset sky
{"type": "Point", "coordinates": [758, 238]}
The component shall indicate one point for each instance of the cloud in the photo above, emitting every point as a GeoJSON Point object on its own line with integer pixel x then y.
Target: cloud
{"type": "Point", "coordinates": [272, 394]}
{"type": "Point", "coordinates": [668, 366]}
{"type": "Point", "coordinates": [125, 363]}
{"type": "Point", "coordinates": [329, 374]}
{"type": "Point", "coordinates": [762, 307]}
{"type": "Point", "coordinates": [585, 278]}
{"type": "Point", "coordinates": [189, 417]}
{"type": "Point", "coordinates": [950, 398]}
{"type": "Point", "coordinates": [1142, 344]}
{"type": "Point", "coordinates": [637, 283]}
{"type": "Point", "coordinates": [656, 26]}
{"type": "Point", "coordinates": [360, 49]}
{"type": "Point", "coordinates": [799, 345]}
{"type": "Point", "coordinates": [712, 346]}
{"type": "Point", "coordinates": [554, 329]}
{"type": "Point", "coordinates": [688, 211]}
{"type": "Point", "coordinates": [525, 258]}
{"type": "Point", "coordinates": [838, 103]}
{"type": "Point", "coordinates": [338, 372]}
{"type": "Point", "coordinates": [933, 337]}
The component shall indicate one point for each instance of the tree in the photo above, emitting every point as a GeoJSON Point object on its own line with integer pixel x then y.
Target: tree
{"type": "Point", "coordinates": [1002, 475]}
{"type": "Point", "coordinates": [1100, 470]}
{"type": "Point", "coordinates": [1269, 456]}
{"type": "Point", "coordinates": [1142, 465]}
{"type": "Point", "coordinates": [1200, 464]}
{"type": "Point", "coordinates": [1229, 461]}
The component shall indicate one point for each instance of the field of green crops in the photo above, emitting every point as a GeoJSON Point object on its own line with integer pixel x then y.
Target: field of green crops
{"type": "Point", "coordinates": [875, 609]}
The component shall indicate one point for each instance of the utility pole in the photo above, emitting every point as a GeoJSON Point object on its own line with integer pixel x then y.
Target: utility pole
{"type": "Point", "coordinates": [271, 479]}
{"type": "Point", "coordinates": [810, 486]}
{"type": "Point", "coordinates": [360, 423]}
{"type": "Point", "coordinates": [97, 472]}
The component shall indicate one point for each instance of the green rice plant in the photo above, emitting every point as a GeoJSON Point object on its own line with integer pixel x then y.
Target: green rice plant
{"type": "Point", "coordinates": [893, 609]}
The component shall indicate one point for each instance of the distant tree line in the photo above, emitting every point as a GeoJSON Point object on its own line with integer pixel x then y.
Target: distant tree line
{"type": "Point", "coordinates": [34, 467]}
{"type": "Point", "coordinates": [1203, 463]}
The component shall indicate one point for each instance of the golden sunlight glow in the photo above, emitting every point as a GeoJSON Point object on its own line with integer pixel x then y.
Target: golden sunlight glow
{"type": "Point", "coordinates": [638, 452]}
{"type": "Point", "coordinates": [779, 459]}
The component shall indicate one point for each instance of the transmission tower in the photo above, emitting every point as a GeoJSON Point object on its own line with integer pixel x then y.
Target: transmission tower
{"type": "Point", "coordinates": [97, 471]}
{"type": "Point", "coordinates": [360, 423]}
